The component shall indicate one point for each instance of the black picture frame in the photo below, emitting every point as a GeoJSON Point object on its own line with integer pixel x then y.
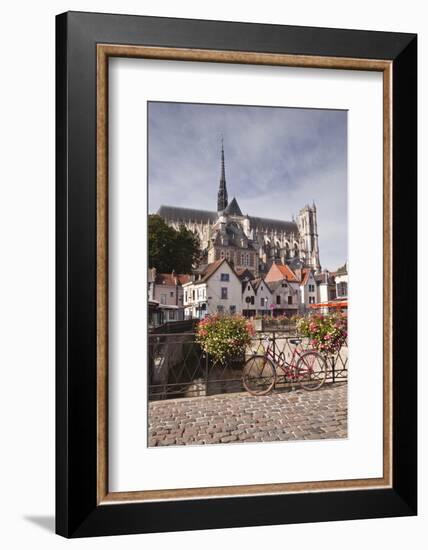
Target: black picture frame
{"type": "Point", "coordinates": [77, 511]}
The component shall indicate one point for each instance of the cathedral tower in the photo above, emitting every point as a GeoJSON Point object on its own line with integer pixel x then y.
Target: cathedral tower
{"type": "Point", "coordinates": [308, 230]}
{"type": "Point", "coordinates": [222, 191]}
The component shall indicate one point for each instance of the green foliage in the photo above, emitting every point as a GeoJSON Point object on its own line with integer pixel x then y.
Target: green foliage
{"type": "Point", "coordinates": [327, 333]}
{"type": "Point", "coordinates": [170, 249]}
{"type": "Point", "coordinates": [224, 336]}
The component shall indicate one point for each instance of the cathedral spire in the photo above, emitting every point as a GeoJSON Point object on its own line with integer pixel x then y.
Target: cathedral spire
{"type": "Point", "coordinates": [222, 190]}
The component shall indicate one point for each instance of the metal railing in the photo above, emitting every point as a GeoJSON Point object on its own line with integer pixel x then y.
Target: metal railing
{"type": "Point", "coordinates": [178, 367]}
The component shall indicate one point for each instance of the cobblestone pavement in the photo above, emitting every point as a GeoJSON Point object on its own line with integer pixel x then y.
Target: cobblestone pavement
{"type": "Point", "coordinates": [241, 417]}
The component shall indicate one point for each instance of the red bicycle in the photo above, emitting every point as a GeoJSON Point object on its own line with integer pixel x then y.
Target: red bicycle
{"type": "Point", "coordinates": [307, 368]}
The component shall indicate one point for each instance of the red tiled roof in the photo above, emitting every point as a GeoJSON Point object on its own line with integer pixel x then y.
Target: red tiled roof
{"type": "Point", "coordinates": [172, 279]}
{"type": "Point", "coordinates": [287, 273]}
{"type": "Point", "coordinates": [305, 276]}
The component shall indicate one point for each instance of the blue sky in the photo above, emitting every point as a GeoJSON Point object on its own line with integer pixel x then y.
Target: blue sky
{"type": "Point", "coordinates": [277, 160]}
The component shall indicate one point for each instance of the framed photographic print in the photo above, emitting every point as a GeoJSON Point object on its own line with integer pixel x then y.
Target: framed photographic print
{"type": "Point", "coordinates": [236, 242]}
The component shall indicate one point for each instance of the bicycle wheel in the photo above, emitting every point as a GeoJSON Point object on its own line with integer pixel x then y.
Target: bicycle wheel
{"type": "Point", "coordinates": [258, 375]}
{"type": "Point", "coordinates": [311, 370]}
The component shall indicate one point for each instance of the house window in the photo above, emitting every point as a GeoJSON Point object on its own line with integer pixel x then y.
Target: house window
{"type": "Point", "coordinates": [290, 300]}
{"type": "Point", "coordinates": [185, 296]}
{"type": "Point", "coordinates": [311, 288]}
{"type": "Point", "coordinates": [248, 287]}
{"type": "Point", "coordinates": [224, 277]}
{"type": "Point", "coordinates": [171, 294]}
{"type": "Point", "coordinates": [262, 302]}
{"type": "Point", "coordinates": [278, 300]}
{"type": "Point", "coordinates": [171, 315]}
{"type": "Point", "coordinates": [284, 285]}
{"type": "Point", "coordinates": [220, 309]}
{"type": "Point", "coordinates": [193, 295]}
{"type": "Point", "coordinates": [342, 289]}
{"type": "Point", "coordinates": [232, 310]}
{"type": "Point", "coordinates": [252, 300]}
{"type": "Point", "coordinates": [224, 293]}
{"type": "Point", "coordinates": [163, 299]}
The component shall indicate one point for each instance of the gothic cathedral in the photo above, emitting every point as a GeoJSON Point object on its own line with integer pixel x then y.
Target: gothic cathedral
{"type": "Point", "coordinates": [249, 242]}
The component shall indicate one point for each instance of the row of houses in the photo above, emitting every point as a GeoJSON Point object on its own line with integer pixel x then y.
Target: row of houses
{"type": "Point", "coordinates": [219, 288]}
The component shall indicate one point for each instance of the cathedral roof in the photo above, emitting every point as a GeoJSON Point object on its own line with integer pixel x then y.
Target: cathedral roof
{"type": "Point", "coordinates": [279, 225]}
{"type": "Point", "coordinates": [233, 208]}
{"type": "Point", "coordinates": [186, 214]}
{"type": "Point", "coordinates": [177, 213]}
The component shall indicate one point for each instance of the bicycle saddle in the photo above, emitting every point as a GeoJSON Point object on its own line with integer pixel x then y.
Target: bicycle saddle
{"type": "Point", "coordinates": [295, 341]}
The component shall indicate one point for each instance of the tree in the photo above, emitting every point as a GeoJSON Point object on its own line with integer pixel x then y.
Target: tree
{"type": "Point", "coordinates": [170, 249]}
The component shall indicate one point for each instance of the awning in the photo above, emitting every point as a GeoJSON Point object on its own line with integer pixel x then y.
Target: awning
{"type": "Point", "coordinates": [339, 305]}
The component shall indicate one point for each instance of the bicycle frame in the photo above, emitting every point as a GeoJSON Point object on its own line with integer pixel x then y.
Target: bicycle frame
{"type": "Point", "coordinates": [288, 368]}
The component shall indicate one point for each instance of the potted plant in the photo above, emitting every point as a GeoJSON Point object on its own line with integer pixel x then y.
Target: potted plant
{"type": "Point", "coordinates": [225, 337]}
{"type": "Point", "coordinates": [326, 333]}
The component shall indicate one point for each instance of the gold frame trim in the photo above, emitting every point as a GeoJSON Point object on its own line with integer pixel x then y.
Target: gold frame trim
{"type": "Point", "coordinates": [104, 51]}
